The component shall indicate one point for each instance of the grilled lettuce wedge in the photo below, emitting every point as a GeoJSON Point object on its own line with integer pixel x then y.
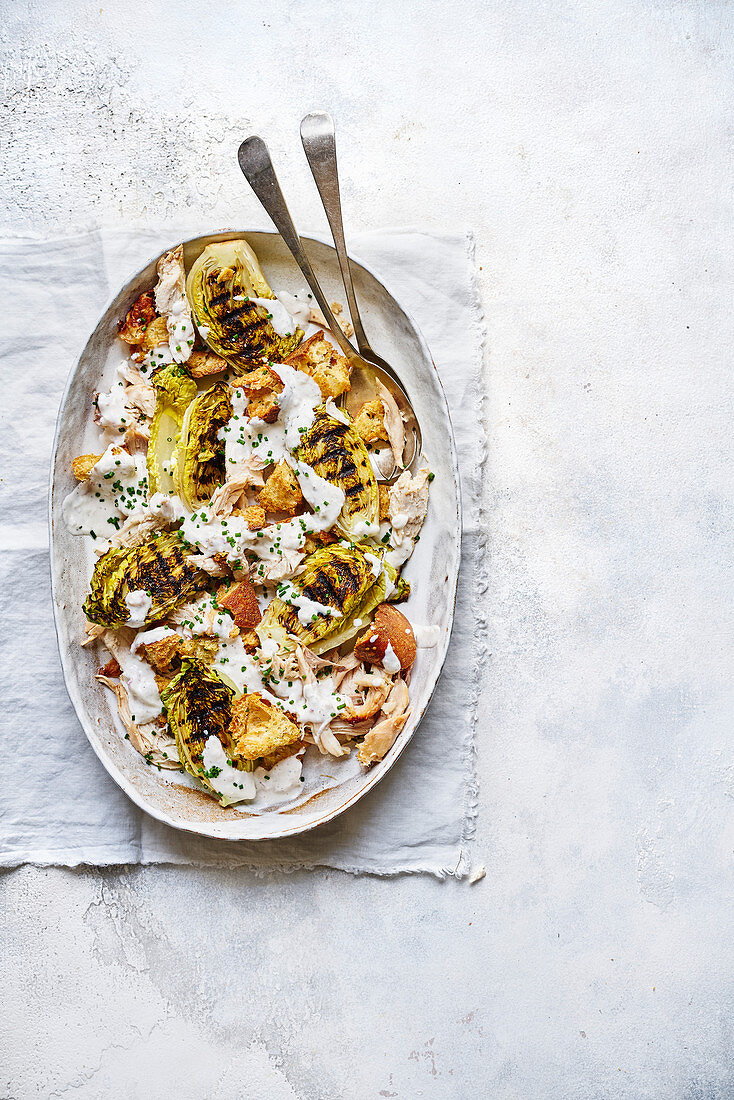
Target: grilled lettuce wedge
{"type": "Point", "coordinates": [336, 453]}
{"type": "Point", "coordinates": [199, 706]}
{"type": "Point", "coordinates": [159, 567]}
{"type": "Point", "coordinates": [199, 467]}
{"type": "Point", "coordinates": [220, 287]}
{"type": "Point", "coordinates": [336, 576]}
{"type": "Point", "coordinates": [175, 391]}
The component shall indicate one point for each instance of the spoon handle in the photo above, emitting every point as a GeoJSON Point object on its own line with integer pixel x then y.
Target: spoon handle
{"type": "Point", "coordinates": [257, 167]}
{"type": "Point", "coordinates": [319, 145]}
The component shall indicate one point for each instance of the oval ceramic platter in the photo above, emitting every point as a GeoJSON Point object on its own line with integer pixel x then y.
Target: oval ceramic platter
{"type": "Point", "coordinates": [330, 786]}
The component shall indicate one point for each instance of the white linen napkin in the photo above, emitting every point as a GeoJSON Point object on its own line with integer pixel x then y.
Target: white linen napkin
{"type": "Point", "coordinates": [58, 805]}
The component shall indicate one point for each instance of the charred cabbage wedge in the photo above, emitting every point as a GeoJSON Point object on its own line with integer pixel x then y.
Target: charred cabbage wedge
{"type": "Point", "coordinates": [199, 706]}
{"type": "Point", "coordinates": [175, 391]}
{"type": "Point", "coordinates": [336, 453]}
{"type": "Point", "coordinates": [159, 567]}
{"type": "Point", "coordinates": [199, 467]}
{"type": "Point", "coordinates": [336, 576]}
{"type": "Point", "coordinates": [220, 287]}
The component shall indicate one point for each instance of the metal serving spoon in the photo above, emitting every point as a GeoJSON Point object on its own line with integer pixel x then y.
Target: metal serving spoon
{"type": "Point", "coordinates": [257, 167]}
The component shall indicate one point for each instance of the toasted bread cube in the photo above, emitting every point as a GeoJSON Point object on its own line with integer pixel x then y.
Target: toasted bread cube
{"type": "Point", "coordinates": [249, 640]}
{"type": "Point", "coordinates": [369, 423]}
{"type": "Point", "coordinates": [201, 364]}
{"type": "Point", "coordinates": [254, 517]}
{"type": "Point", "coordinates": [281, 492]}
{"type": "Point", "coordinates": [324, 363]}
{"type": "Point", "coordinates": [241, 600]}
{"type": "Point", "coordinates": [259, 380]}
{"type": "Point", "coordinates": [139, 316]}
{"type": "Point", "coordinates": [156, 333]}
{"type": "Point", "coordinates": [259, 728]}
{"type": "Point", "coordinates": [83, 465]}
{"type": "Point", "coordinates": [160, 654]}
{"type": "Point", "coordinates": [264, 407]}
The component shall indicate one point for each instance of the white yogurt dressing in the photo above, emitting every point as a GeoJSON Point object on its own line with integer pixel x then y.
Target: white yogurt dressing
{"type": "Point", "coordinates": [278, 314]}
{"type": "Point", "coordinates": [117, 486]}
{"type": "Point", "coordinates": [299, 311]}
{"type": "Point", "coordinates": [283, 778]}
{"type": "Point", "coordinates": [148, 637]}
{"type": "Point", "coordinates": [390, 661]}
{"type": "Point", "coordinates": [138, 678]}
{"type": "Point", "coordinates": [231, 783]}
{"type": "Point", "coordinates": [231, 535]}
{"type": "Point", "coordinates": [315, 704]}
{"type": "Point", "coordinates": [113, 412]}
{"type": "Point", "coordinates": [202, 616]}
{"type": "Point", "coordinates": [365, 527]}
{"type": "Point", "coordinates": [138, 604]}
{"type": "Point", "coordinates": [271, 442]}
{"type": "Point", "coordinates": [308, 610]}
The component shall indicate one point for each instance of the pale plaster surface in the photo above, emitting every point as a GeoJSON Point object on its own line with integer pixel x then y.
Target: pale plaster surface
{"type": "Point", "coordinates": [588, 146]}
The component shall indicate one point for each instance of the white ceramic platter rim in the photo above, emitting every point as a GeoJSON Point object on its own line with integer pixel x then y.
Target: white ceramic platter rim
{"type": "Point", "coordinates": [285, 826]}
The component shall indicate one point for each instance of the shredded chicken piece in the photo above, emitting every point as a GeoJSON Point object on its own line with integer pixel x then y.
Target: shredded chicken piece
{"type": "Point", "coordinates": [149, 739]}
{"type": "Point", "coordinates": [366, 692]}
{"type": "Point", "coordinates": [393, 422]}
{"type": "Point", "coordinates": [139, 391]}
{"type": "Point", "coordinates": [139, 528]}
{"type": "Point", "coordinates": [215, 566]}
{"type": "Point", "coordinates": [327, 742]}
{"type": "Point", "coordinates": [93, 632]}
{"type": "Point", "coordinates": [268, 572]}
{"type": "Point", "coordinates": [409, 501]}
{"type": "Point", "coordinates": [381, 737]}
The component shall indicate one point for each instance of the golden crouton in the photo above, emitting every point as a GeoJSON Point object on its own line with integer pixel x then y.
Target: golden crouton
{"type": "Point", "coordinates": [141, 313]}
{"type": "Point", "coordinates": [324, 363]}
{"type": "Point", "coordinates": [261, 379]}
{"type": "Point", "coordinates": [384, 501]}
{"type": "Point", "coordinates": [281, 492]}
{"type": "Point", "coordinates": [156, 333]}
{"type": "Point", "coordinates": [254, 517]}
{"type": "Point", "coordinates": [274, 758]}
{"type": "Point", "coordinates": [160, 654]}
{"type": "Point", "coordinates": [201, 364]}
{"type": "Point", "coordinates": [240, 599]}
{"type": "Point", "coordinates": [259, 728]}
{"type": "Point", "coordinates": [369, 423]}
{"type": "Point", "coordinates": [264, 407]}
{"type": "Point", "coordinates": [201, 649]}
{"type": "Point", "coordinates": [83, 465]}
{"type": "Point", "coordinates": [249, 640]}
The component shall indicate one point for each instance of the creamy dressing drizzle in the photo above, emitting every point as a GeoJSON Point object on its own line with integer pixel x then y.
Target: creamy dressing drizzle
{"type": "Point", "coordinates": [271, 442]}
{"type": "Point", "coordinates": [117, 486]}
{"type": "Point", "coordinates": [308, 610]}
{"type": "Point", "coordinates": [229, 782]}
{"type": "Point", "coordinates": [315, 704]}
{"type": "Point", "coordinates": [138, 604]}
{"type": "Point", "coordinates": [231, 536]}
{"type": "Point", "coordinates": [138, 678]}
{"type": "Point", "coordinates": [390, 661]}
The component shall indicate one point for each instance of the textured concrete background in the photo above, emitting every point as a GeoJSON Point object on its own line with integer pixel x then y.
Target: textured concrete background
{"type": "Point", "coordinates": [587, 144]}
